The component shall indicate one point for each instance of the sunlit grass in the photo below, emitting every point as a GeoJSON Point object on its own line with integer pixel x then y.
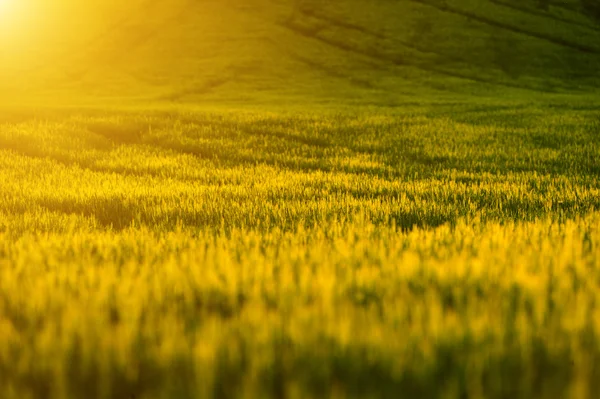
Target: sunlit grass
{"type": "Point", "coordinates": [344, 254]}
{"type": "Point", "coordinates": [406, 206]}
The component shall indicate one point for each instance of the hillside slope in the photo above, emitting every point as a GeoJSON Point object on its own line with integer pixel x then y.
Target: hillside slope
{"type": "Point", "coordinates": [266, 50]}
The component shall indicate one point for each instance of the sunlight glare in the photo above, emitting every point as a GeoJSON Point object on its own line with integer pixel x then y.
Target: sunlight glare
{"type": "Point", "coordinates": [4, 5]}
{"type": "Point", "coordinates": [8, 11]}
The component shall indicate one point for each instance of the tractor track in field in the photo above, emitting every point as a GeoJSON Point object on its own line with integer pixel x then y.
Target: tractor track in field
{"type": "Point", "coordinates": [117, 25]}
{"type": "Point", "coordinates": [400, 61]}
{"type": "Point", "coordinates": [138, 40]}
{"type": "Point", "coordinates": [504, 3]}
{"type": "Point", "coordinates": [377, 35]}
{"type": "Point", "coordinates": [492, 22]}
{"type": "Point", "coordinates": [96, 40]}
{"type": "Point", "coordinates": [204, 88]}
{"type": "Point", "coordinates": [333, 72]}
{"type": "Point", "coordinates": [565, 6]}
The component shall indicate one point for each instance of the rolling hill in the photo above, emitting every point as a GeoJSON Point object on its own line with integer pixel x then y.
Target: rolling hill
{"type": "Point", "coordinates": [380, 51]}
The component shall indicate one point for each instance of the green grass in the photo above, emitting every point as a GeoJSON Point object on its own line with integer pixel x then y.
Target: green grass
{"type": "Point", "coordinates": [448, 251]}
{"type": "Point", "coordinates": [298, 51]}
{"type": "Point", "coordinates": [300, 199]}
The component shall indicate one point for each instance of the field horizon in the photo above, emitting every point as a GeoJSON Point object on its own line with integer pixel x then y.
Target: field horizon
{"type": "Point", "coordinates": [269, 51]}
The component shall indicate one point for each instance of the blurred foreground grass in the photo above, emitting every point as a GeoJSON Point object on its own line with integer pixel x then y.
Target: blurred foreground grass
{"type": "Point", "coordinates": [426, 253]}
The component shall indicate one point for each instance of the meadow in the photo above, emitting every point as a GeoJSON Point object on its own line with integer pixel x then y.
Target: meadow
{"type": "Point", "coordinates": [296, 199]}
{"type": "Point", "coordinates": [447, 250]}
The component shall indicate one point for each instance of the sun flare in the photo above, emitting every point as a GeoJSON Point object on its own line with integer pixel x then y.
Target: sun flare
{"type": "Point", "coordinates": [8, 11]}
{"type": "Point", "coordinates": [5, 6]}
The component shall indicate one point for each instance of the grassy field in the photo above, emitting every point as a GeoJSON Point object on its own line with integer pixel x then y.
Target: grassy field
{"type": "Point", "coordinates": [448, 251]}
{"type": "Point", "coordinates": [297, 51]}
{"type": "Point", "coordinates": [299, 199]}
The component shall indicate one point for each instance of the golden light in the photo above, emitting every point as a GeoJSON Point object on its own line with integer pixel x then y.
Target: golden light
{"type": "Point", "coordinates": [4, 4]}
{"type": "Point", "coordinates": [12, 13]}
{"type": "Point", "coordinates": [24, 38]}
{"type": "Point", "coordinates": [43, 42]}
{"type": "Point", "coordinates": [32, 28]}
{"type": "Point", "coordinates": [10, 9]}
